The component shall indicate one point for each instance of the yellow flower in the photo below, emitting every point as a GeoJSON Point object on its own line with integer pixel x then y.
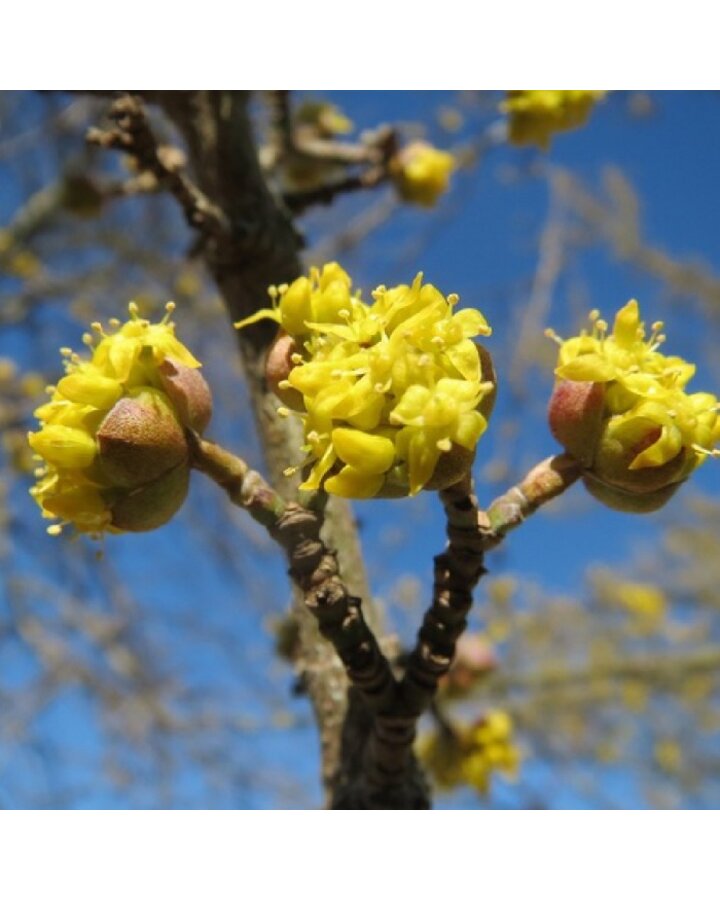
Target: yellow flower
{"type": "Point", "coordinates": [534, 116]}
{"type": "Point", "coordinates": [112, 436]}
{"type": "Point", "coordinates": [394, 395]}
{"type": "Point", "coordinates": [471, 754]}
{"type": "Point", "coordinates": [621, 408]}
{"type": "Point", "coordinates": [421, 173]}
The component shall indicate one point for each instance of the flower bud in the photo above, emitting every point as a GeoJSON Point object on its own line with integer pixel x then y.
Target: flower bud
{"type": "Point", "coordinates": [535, 116]}
{"type": "Point", "coordinates": [153, 504]}
{"type": "Point", "coordinates": [140, 439]}
{"type": "Point", "coordinates": [421, 173]}
{"type": "Point", "coordinates": [112, 438]}
{"type": "Point", "coordinates": [621, 410]}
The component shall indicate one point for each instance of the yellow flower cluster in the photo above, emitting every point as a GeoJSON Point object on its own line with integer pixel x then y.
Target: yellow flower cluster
{"type": "Point", "coordinates": [470, 755]}
{"type": "Point", "coordinates": [534, 116]}
{"type": "Point", "coordinates": [394, 395]}
{"type": "Point", "coordinates": [421, 173]}
{"type": "Point", "coordinates": [111, 440]}
{"type": "Point", "coordinates": [622, 409]}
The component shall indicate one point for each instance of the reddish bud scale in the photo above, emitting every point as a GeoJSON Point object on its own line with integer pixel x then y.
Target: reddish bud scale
{"type": "Point", "coordinates": [578, 420]}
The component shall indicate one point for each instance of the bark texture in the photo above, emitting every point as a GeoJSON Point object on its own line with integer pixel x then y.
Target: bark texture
{"type": "Point", "coordinates": [262, 247]}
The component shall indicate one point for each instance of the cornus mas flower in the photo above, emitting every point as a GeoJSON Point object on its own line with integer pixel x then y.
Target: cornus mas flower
{"type": "Point", "coordinates": [535, 116]}
{"type": "Point", "coordinates": [471, 754]}
{"type": "Point", "coordinates": [112, 436]}
{"type": "Point", "coordinates": [421, 173]}
{"type": "Point", "coordinates": [621, 408]}
{"type": "Point", "coordinates": [393, 395]}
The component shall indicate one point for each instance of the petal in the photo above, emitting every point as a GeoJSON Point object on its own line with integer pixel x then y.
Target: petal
{"type": "Point", "coordinates": [665, 448]}
{"type": "Point", "coordinates": [422, 459]}
{"type": "Point", "coordinates": [469, 429]}
{"type": "Point", "coordinates": [627, 329]}
{"type": "Point", "coordinates": [354, 484]}
{"type": "Point", "coordinates": [369, 453]}
{"type": "Point", "coordinates": [63, 446]}
{"type": "Point", "coordinates": [411, 405]}
{"type": "Point", "coordinates": [588, 367]}
{"type": "Point", "coordinates": [273, 314]}
{"type": "Point", "coordinates": [319, 470]}
{"type": "Point", "coordinates": [295, 309]}
{"type": "Point", "coordinates": [464, 357]}
{"type": "Point", "coordinates": [93, 389]}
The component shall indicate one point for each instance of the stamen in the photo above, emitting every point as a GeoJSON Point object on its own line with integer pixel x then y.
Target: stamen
{"type": "Point", "coordinates": [703, 451]}
{"type": "Point", "coordinates": [553, 335]}
{"type": "Point", "coordinates": [54, 530]}
{"type": "Point", "coordinates": [133, 309]}
{"type": "Point", "coordinates": [296, 358]}
{"type": "Point", "coordinates": [283, 412]}
{"type": "Point", "coordinates": [290, 471]}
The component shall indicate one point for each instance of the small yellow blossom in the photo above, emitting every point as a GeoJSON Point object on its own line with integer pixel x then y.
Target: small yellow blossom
{"type": "Point", "coordinates": [471, 754]}
{"type": "Point", "coordinates": [535, 116]}
{"type": "Point", "coordinates": [621, 408]}
{"type": "Point", "coordinates": [646, 601]}
{"type": "Point", "coordinates": [111, 441]}
{"type": "Point", "coordinates": [394, 395]}
{"type": "Point", "coordinates": [421, 173]}
{"type": "Point", "coordinates": [668, 755]}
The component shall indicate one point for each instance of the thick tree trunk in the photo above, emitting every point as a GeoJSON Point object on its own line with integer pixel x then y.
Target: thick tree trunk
{"type": "Point", "coordinates": [263, 249]}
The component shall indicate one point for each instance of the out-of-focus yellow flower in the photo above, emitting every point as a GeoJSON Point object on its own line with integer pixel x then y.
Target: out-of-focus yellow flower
{"type": "Point", "coordinates": [535, 116]}
{"type": "Point", "coordinates": [24, 264]}
{"type": "Point", "coordinates": [635, 695]}
{"type": "Point", "coordinates": [471, 754]}
{"type": "Point", "coordinates": [394, 395]}
{"type": "Point", "coordinates": [620, 407]}
{"type": "Point", "coordinates": [112, 436]}
{"type": "Point", "coordinates": [668, 755]}
{"type": "Point", "coordinates": [421, 173]}
{"type": "Point", "coordinates": [646, 601]}
{"type": "Point", "coordinates": [8, 370]}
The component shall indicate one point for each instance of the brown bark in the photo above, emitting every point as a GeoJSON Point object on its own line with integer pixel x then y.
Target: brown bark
{"type": "Point", "coordinates": [262, 248]}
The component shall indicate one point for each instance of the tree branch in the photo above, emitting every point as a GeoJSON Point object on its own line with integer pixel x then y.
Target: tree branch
{"type": "Point", "coordinates": [133, 136]}
{"type": "Point", "coordinates": [312, 567]}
